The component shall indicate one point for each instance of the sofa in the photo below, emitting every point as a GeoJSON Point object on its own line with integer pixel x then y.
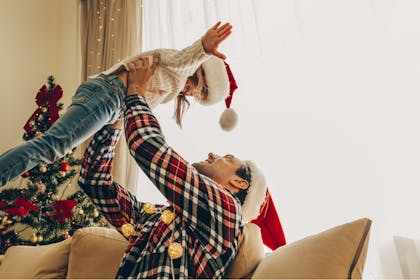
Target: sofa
{"type": "Point", "coordinates": [94, 252]}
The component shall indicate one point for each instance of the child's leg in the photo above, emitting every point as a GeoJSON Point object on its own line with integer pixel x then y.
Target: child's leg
{"type": "Point", "coordinates": [96, 103]}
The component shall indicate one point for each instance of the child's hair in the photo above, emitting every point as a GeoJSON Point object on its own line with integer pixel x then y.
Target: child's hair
{"type": "Point", "coordinates": [199, 92]}
{"type": "Point", "coordinates": [181, 106]}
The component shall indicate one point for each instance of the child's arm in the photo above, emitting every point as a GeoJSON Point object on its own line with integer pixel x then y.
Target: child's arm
{"type": "Point", "coordinates": [186, 61]}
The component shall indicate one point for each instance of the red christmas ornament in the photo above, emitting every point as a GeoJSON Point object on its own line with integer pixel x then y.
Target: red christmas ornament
{"type": "Point", "coordinates": [65, 166]}
{"type": "Point", "coordinates": [26, 174]}
{"type": "Point", "coordinates": [63, 210]}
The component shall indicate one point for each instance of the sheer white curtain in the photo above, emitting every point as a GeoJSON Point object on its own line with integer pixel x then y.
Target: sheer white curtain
{"type": "Point", "coordinates": [177, 23]}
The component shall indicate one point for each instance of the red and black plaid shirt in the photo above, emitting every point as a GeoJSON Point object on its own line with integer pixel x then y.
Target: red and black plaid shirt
{"type": "Point", "coordinates": [208, 222]}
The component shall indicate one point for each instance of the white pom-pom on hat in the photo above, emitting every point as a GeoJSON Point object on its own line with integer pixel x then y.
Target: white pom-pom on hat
{"type": "Point", "coordinates": [229, 117]}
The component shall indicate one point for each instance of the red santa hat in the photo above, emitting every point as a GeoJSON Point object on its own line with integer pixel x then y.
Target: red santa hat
{"type": "Point", "coordinates": [220, 85]}
{"type": "Point", "coordinates": [270, 225]}
{"type": "Point", "coordinates": [258, 208]}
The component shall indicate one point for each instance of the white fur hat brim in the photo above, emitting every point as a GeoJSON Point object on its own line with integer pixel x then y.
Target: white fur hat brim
{"type": "Point", "coordinates": [256, 194]}
{"type": "Point", "coordinates": [217, 81]}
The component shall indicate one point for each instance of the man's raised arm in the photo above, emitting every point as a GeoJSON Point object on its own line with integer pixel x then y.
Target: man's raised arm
{"type": "Point", "coordinates": [211, 211]}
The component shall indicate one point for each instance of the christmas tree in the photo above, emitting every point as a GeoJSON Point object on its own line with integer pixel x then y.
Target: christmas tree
{"type": "Point", "coordinates": [40, 204]}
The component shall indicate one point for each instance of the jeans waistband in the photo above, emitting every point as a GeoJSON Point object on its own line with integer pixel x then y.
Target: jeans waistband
{"type": "Point", "coordinates": [114, 79]}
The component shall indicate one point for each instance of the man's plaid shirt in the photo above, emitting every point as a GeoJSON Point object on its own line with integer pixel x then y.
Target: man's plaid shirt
{"type": "Point", "coordinates": [208, 218]}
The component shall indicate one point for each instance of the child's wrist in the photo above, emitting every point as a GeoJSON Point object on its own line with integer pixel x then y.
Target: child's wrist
{"type": "Point", "coordinates": [204, 46]}
{"type": "Point", "coordinates": [135, 89]}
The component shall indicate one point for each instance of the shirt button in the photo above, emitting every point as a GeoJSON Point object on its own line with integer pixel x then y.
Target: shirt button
{"type": "Point", "coordinates": [149, 208]}
{"type": "Point", "coordinates": [167, 217]}
{"type": "Point", "coordinates": [127, 230]}
{"type": "Point", "coordinates": [175, 250]}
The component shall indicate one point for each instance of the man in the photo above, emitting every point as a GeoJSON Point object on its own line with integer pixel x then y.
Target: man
{"type": "Point", "coordinates": [197, 235]}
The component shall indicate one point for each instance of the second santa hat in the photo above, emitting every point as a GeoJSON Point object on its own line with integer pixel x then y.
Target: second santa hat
{"type": "Point", "coordinates": [220, 85]}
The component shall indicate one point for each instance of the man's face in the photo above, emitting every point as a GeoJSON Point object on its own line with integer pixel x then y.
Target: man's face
{"type": "Point", "coordinates": [220, 169]}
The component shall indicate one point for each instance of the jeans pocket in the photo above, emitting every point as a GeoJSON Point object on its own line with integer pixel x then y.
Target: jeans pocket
{"type": "Point", "coordinates": [85, 92]}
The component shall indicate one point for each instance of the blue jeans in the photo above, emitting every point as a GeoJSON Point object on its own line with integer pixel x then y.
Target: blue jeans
{"type": "Point", "coordinates": [96, 103]}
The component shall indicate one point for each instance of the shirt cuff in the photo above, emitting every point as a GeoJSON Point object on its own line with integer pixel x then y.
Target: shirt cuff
{"type": "Point", "coordinates": [135, 99]}
{"type": "Point", "coordinates": [110, 135]}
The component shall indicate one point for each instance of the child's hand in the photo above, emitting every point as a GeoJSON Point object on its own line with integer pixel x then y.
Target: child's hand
{"type": "Point", "coordinates": [214, 36]}
{"type": "Point", "coordinates": [140, 74]}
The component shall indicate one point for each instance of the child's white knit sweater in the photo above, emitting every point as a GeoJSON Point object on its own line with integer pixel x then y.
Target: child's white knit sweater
{"type": "Point", "coordinates": [175, 67]}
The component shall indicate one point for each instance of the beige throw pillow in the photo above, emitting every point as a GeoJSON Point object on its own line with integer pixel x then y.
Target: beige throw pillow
{"type": "Point", "coordinates": [250, 253]}
{"type": "Point", "coordinates": [339, 253]}
{"type": "Point", "coordinates": [96, 252]}
{"type": "Point", "coordinates": [47, 261]}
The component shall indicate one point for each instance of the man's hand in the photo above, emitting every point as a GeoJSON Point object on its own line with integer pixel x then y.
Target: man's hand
{"type": "Point", "coordinates": [140, 75]}
{"type": "Point", "coordinates": [214, 36]}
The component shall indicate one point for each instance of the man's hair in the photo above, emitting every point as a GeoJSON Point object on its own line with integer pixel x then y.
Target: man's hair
{"type": "Point", "coordinates": [245, 173]}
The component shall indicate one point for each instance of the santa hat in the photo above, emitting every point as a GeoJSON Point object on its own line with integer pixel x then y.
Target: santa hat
{"type": "Point", "coordinates": [270, 225]}
{"type": "Point", "coordinates": [258, 208]}
{"type": "Point", "coordinates": [220, 85]}
{"type": "Point", "coordinates": [255, 196]}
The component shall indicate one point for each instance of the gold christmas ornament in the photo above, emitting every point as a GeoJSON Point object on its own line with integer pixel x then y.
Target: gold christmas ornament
{"type": "Point", "coordinates": [31, 123]}
{"type": "Point", "coordinates": [61, 173]}
{"type": "Point", "coordinates": [127, 230]}
{"type": "Point", "coordinates": [39, 238]}
{"type": "Point", "coordinates": [149, 208]}
{"type": "Point", "coordinates": [44, 109]}
{"type": "Point", "coordinates": [9, 222]}
{"type": "Point", "coordinates": [66, 235]}
{"type": "Point", "coordinates": [175, 250]}
{"type": "Point", "coordinates": [167, 217]}
{"type": "Point", "coordinates": [95, 213]}
{"type": "Point", "coordinates": [81, 212]}
{"type": "Point", "coordinates": [40, 117]}
{"type": "Point", "coordinates": [38, 133]}
{"type": "Point", "coordinates": [42, 168]}
{"type": "Point", "coordinates": [33, 238]}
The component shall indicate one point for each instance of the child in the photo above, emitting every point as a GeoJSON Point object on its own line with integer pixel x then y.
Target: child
{"type": "Point", "coordinates": [194, 71]}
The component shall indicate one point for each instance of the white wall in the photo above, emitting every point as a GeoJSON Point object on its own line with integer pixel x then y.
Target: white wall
{"type": "Point", "coordinates": [330, 111]}
{"type": "Point", "coordinates": [39, 38]}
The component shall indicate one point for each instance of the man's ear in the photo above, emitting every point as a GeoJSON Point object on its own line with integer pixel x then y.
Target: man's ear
{"type": "Point", "coordinates": [239, 183]}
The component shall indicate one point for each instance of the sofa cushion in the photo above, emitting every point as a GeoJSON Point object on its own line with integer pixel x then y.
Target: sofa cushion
{"type": "Point", "coordinates": [47, 261]}
{"type": "Point", "coordinates": [250, 253]}
{"type": "Point", "coordinates": [96, 253]}
{"type": "Point", "coordinates": [339, 252]}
